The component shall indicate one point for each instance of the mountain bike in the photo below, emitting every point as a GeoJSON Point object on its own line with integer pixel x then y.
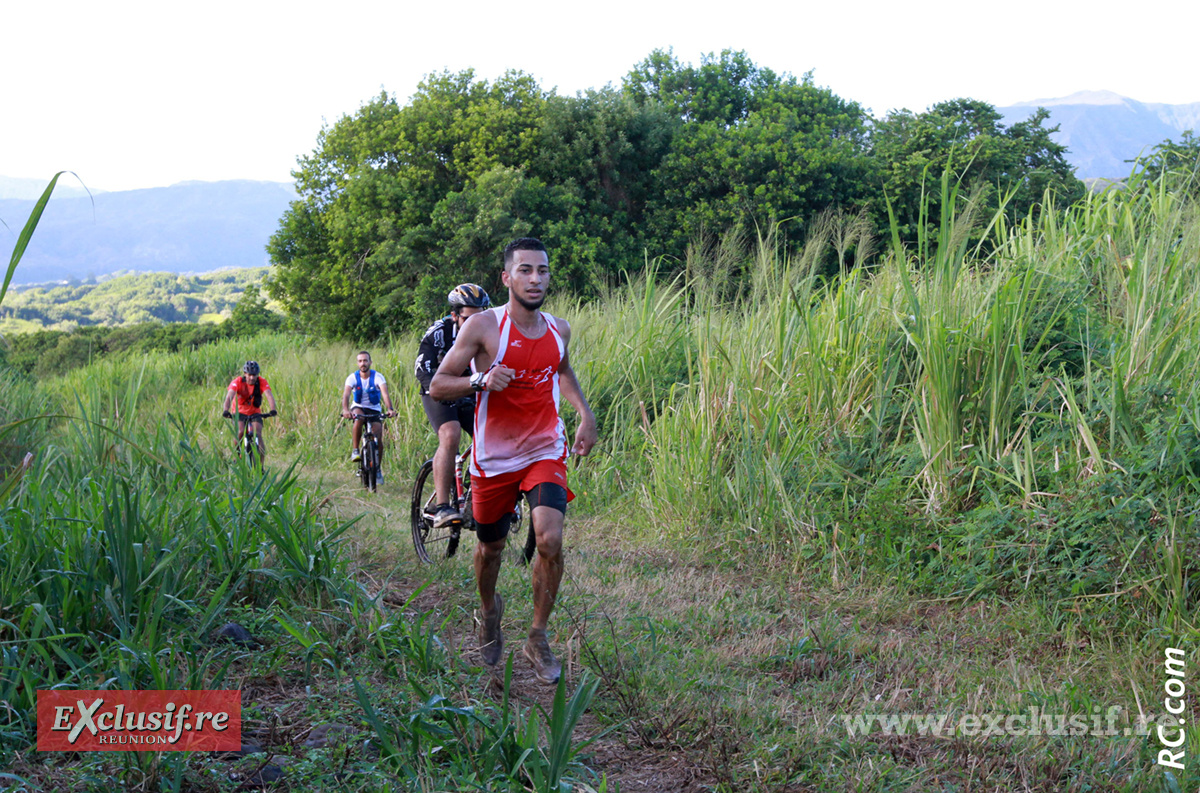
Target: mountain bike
{"type": "Point", "coordinates": [428, 540]}
{"type": "Point", "coordinates": [370, 455]}
{"type": "Point", "coordinates": [249, 443]}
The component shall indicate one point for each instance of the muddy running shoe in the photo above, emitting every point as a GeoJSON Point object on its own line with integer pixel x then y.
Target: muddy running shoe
{"type": "Point", "coordinates": [545, 666]}
{"type": "Point", "coordinates": [446, 515]}
{"type": "Point", "coordinates": [355, 455]}
{"type": "Point", "coordinates": [491, 640]}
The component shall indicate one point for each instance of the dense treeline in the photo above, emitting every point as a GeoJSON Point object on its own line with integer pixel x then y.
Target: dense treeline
{"type": "Point", "coordinates": [399, 202]}
{"type": "Point", "coordinates": [46, 353]}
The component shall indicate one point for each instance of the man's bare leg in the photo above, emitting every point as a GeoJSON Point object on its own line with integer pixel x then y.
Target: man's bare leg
{"type": "Point", "coordinates": [487, 569]}
{"type": "Point", "coordinates": [547, 563]}
{"type": "Point", "coordinates": [547, 575]}
{"type": "Point", "coordinates": [449, 435]}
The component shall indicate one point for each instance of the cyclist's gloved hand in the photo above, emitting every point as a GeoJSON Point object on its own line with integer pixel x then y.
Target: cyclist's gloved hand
{"type": "Point", "coordinates": [226, 415]}
{"type": "Point", "coordinates": [273, 413]}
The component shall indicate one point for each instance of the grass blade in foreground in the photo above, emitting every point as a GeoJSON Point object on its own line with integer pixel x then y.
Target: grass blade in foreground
{"type": "Point", "coordinates": [27, 233]}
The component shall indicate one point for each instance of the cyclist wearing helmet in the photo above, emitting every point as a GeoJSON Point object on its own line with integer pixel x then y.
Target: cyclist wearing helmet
{"type": "Point", "coordinates": [249, 389]}
{"type": "Point", "coordinates": [447, 418]}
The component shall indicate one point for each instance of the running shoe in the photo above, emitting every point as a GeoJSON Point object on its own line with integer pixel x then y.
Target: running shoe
{"type": "Point", "coordinates": [445, 516]}
{"type": "Point", "coordinates": [545, 666]}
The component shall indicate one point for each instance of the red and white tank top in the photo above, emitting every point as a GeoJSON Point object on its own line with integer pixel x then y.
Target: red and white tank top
{"type": "Point", "coordinates": [520, 425]}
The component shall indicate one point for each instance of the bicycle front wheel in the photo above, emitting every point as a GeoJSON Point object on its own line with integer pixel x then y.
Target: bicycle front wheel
{"type": "Point", "coordinates": [251, 449]}
{"type": "Point", "coordinates": [369, 463]}
{"type": "Point", "coordinates": [430, 543]}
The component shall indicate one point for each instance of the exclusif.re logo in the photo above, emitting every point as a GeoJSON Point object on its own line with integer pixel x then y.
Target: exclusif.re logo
{"type": "Point", "coordinates": [115, 721]}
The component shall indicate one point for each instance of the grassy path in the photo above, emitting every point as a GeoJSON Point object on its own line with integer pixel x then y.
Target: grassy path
{"type": "Point", "coordinates": [732, 675]}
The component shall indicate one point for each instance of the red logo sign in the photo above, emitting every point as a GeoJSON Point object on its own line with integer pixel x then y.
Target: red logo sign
{"type": "Point", "coordinates": [139, 721]}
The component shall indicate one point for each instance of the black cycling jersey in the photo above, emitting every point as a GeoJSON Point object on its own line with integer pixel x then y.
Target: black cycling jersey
{"type": "Point", "coordinates": [433, 348]}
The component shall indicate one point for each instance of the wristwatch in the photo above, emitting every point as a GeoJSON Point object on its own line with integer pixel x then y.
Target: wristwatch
{"type": "Point", "coordinates": [477, 381]}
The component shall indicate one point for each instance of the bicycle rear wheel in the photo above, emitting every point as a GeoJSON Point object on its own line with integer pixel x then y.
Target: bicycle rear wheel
{"type": "Point", "coordinates": [427, 540]}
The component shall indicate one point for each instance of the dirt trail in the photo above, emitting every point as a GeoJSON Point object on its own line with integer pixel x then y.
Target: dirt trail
{"type": "Point", "coordinates": [636, 768]}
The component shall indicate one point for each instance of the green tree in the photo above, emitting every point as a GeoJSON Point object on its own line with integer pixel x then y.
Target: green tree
{"type": "Point", "coordinates": [351, 251]}
{"type": "Point", "coordinates": [398, 204]}
{"type": "Point", "coordinates": [1173, 163]}
{"type": "Point", "coordinates": [1021, 162]}
{"type": "Point", "coordinates": [754, 147]}
{"type": "Point", "coordinates": [724, 88]}
{"type": "Point", "coordinates": [250, 316]}
{"type": "Point", "coordinates": [603, 147]}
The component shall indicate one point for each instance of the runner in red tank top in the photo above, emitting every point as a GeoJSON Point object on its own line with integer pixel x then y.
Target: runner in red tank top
{"type": "Point", "coordinates": [519, 356]}
{"type": "Point", "coordinates": [519, 425]}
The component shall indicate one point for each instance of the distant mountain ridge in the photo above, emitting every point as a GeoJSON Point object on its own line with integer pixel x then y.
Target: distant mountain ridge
{"type": "Point", "coordinates": [190, 227]}
{"type": "Point", "coordinates": [32, 189]}
{"type": "Point", "coordinates": [1102, 129]}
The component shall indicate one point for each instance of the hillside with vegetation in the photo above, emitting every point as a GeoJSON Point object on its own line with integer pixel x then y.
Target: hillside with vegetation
{"type": "Point", "coordinates": [190, 227]}
{"type": "Point", "coordinates": [127, 300]}
{"type": "Point", "coordinates": [47, 331]}
{"type": "Point", "coordinates": [949, 468]}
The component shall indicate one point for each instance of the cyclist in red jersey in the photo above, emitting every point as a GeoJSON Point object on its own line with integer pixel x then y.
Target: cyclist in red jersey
{"type": "Point", "coordinates": [520, 363]}
{"type": "Point", "coordinates": [250, 389]}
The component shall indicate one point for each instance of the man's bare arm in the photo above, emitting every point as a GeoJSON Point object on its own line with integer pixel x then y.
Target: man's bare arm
{"type": "Point", "coordinates": [387, 399]}
{"type": "Point", "coordinates": [447, 385]}
{"type": "Point", "coordinates": [586, 434]}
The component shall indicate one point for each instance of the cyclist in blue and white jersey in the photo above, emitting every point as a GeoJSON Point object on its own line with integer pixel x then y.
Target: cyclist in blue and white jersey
{"type": "Point", "coordinates": [363, 398]}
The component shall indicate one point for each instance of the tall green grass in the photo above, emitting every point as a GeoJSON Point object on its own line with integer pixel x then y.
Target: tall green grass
{"type": "Point", "coordinates": [930, 404]}
{"type": "Point", "coordinates": [125, 546]}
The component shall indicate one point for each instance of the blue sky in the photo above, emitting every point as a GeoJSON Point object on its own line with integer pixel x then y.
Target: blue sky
{"type": "Point", "coordinates": [137, 94]}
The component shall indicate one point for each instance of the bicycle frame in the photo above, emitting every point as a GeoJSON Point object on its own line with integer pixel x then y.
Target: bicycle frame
{"type": "Point", "coordinates": [371, 454]}
{"type": "Point", "coordinates": [250, 439]}
{"type": "Point", "coordinates": [422, 522]}
{"type": "Point", "coordinates": [459, 490]}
